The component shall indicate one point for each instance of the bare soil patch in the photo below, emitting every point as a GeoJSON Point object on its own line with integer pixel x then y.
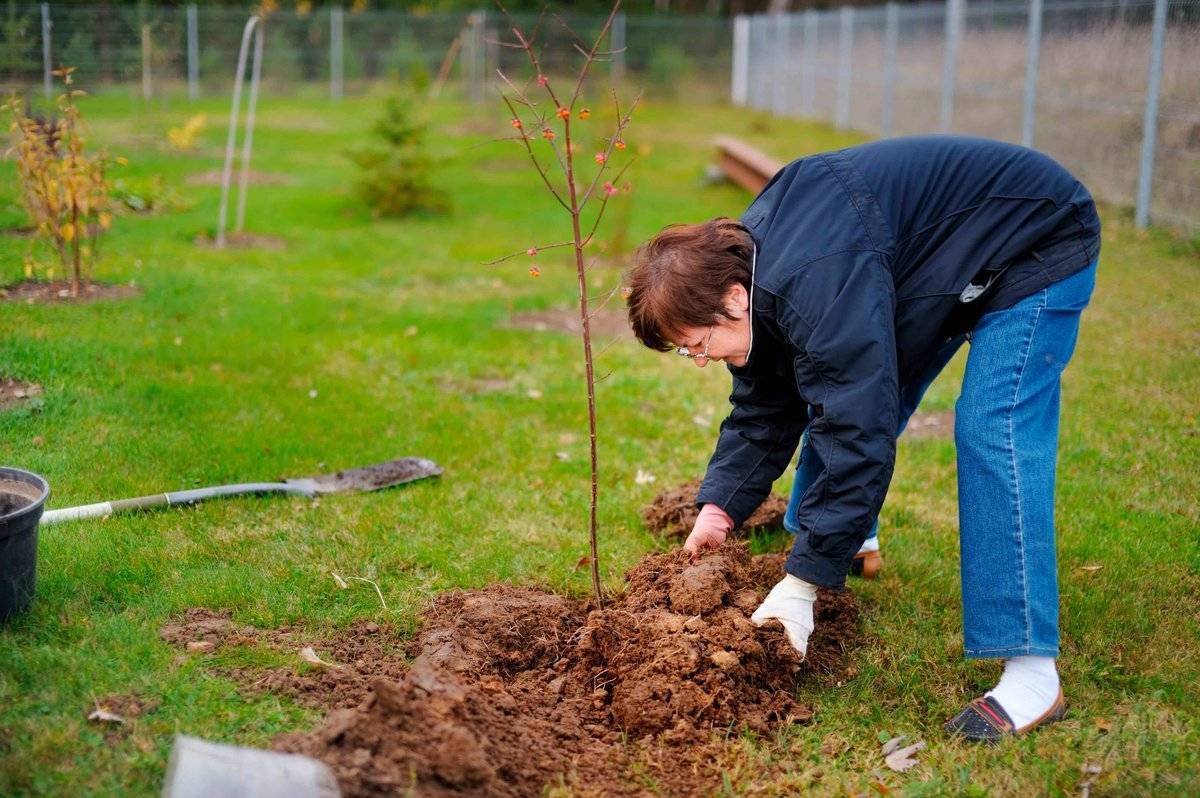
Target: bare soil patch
{"type": "Point", "coordinates": [605, 322]}
{"type": "Point", "coordinates": [118, 712]}
{"type": "Point", "coordinates": [937, 425]}
{"type": "Point", "coordinates": [511, 689]}
{"type": "Point", "coordinates": [213, 178]}
{"type": "Point", "coordinates": [364, 651]}
{"type": "Point", "coordinates": [243, 240]}
{"type": "Point", "coordinates": [125, 705]}
{"type": "Point", "coordinates": [36, 292]}
{"type": "Point", "coordinates": [673, 512]}
{"type": "Point", "coordinates": [14, 393]}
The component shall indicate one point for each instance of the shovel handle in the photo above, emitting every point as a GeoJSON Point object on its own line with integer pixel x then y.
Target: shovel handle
{"type": "Point", "coordinates": [102, 509]}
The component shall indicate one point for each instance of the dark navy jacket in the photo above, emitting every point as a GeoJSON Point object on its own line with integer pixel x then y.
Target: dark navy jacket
{"type": "Point", "coordinates": [862, 256]}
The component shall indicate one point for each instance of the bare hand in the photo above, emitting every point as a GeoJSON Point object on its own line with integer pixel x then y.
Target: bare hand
{"type": "Point", "coordinates": [710, 530]}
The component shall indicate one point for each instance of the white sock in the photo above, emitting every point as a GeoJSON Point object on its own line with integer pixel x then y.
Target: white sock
{"type": "Point", "coordinates": [1027, 689]}
{"type": "Point", "coordinates": [870, 544]}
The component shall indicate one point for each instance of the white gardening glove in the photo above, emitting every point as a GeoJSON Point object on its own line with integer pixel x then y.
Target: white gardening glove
{"type": "Point", "coordinates": [791, 603]}
{"type": "Point", "coordinates": [711, 527]}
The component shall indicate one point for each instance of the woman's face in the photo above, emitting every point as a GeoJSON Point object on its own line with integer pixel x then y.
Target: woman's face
{"type": "Point", "coordinates": [726, 341]}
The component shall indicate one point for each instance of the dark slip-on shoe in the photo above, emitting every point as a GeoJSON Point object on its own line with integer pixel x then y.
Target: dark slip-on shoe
{"type": "Point", "coordinates": [984, 720]}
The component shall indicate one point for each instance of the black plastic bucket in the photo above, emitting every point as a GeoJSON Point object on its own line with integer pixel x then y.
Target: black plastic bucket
{"type": "Point", "coordinates": [22, 498]}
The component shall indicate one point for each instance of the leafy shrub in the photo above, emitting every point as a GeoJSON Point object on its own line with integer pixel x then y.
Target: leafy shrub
{"type": "Point", "coordinates": [64, 188]}
{"type": "Point", "coordinates": [396, 170]}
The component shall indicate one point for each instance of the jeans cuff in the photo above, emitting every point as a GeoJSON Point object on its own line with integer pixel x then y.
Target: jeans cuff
{"type": "Point", "coordinates": [1011, 651]}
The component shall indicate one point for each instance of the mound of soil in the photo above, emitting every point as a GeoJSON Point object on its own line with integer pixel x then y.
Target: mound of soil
{"type": "Point", "coordinates": [36, 292]}
{"type": "Point", "coordinates": [673, 512]}
{"type": "Point", "coordinates": [512, 689]}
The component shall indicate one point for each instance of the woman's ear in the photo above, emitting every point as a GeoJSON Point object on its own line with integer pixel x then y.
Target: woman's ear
{"type": "Point", "coordinates": [737, 301]}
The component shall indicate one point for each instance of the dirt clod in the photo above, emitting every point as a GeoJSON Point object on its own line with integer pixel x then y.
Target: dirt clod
{"type": "Point", "coordinates": [673, 512]}
{"type": "Point", "coordinates": [511, 689]}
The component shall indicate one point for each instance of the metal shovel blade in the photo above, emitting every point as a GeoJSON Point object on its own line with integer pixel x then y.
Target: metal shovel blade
{"type": "Point", "coordinates": [372, 477]}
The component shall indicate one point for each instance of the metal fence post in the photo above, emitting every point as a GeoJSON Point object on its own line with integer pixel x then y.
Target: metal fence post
{"type": "Point", "coordinates": [779, 64]}
{"type": "Point", "coordinates": [480, 57]}
{"type": "Point", "coordinates": [193, 52]}
{"type": "Point", "coordinates": [147, 80]}
{"type": "Point", "coordinates": [891, 39]}
{"type": "Point", "coordinates": [47, 83]}
{"type": "Point", "coordinates": [845, 59]}
{"type": "Point", "coordinates": [472, 57]}
{"type": "Point", "coordinates": [954, 12]}
{"type": "Point", "coordinates": [335, 52]}
{"type": "Point", "coordinates": [808, 78]}
{"type": "Point", "coordinates": [1033, 55]}
{"type": "Point", "coordinates": [1150, 121]}
{"type": "Point", "coordinates": [741, 60]}
{"type": "Point", "coordinates": [618, 48]}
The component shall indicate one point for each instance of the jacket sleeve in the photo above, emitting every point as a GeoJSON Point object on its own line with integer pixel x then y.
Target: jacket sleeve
{"type": "Point", "coordinates": [756, 443]}
{"type": "Point", "coordinates": [842, 323]}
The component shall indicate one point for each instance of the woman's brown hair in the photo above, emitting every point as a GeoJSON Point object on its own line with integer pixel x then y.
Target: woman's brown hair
{"type": "Point", "coordinates": [679, 278]}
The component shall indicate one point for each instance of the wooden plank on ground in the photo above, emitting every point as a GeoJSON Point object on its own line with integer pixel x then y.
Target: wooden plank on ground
{"type": "Point", "coordinates": [750, 168]}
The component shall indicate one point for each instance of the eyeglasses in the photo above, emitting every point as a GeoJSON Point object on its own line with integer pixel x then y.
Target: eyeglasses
{"type": "Point", "coordinates": [683, 351]}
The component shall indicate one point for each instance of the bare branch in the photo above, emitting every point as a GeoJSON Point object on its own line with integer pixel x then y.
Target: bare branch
{"type": "Point", "coordinates": [532, 157]}
{"type": "Point", "coordinates": [616, 179]}
{"type": "Point", "coordinates": [591, 56]}
{"type": "Point", "coordinates": [622, 123]}
{"type": "Point", "coordinates": [526, 252]}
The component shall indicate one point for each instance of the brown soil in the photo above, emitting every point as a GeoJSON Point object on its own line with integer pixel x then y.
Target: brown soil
{"type": "Point", "coordinates": [14, 495]}
{"type": "Point", "coordinates": [14, 393]}
{"type": "Point", "coordinates": [35, 292]}
{"type": "Point", "coordinates": [242, 240]}
{"type": "Point", "coordinates": [673, 512]}
{"type": "Point", "coordinates": [608, 323]}
{"type": "Point", "coordinates": [936, 425]}
{"type": "Point", "coordinates": [213, 178]}
{"type": "Point", "coordinates": [127, 706]}
{"type": "Point", "coordinates": [512, 688]}
{"type": "Point", "coordinates": [357, 655]}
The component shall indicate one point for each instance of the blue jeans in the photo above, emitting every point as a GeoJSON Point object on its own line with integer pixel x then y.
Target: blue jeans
{"type": "Point", "coordinates": [1006, 436]}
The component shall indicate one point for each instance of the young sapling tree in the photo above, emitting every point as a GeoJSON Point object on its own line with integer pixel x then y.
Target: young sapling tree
{"type": "Point", "coordinates": [546, 125]}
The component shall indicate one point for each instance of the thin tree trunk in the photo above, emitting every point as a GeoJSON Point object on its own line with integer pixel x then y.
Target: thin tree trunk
{"type": "Point", "coordinates": [585, 319]}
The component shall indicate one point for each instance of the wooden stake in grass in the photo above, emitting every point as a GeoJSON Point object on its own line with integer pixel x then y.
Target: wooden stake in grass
{"type": "Point", "coordinates": [537, 125]}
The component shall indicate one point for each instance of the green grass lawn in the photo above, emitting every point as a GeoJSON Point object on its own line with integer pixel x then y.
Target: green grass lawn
{"type": "Point", "coordinates": [208, 377]}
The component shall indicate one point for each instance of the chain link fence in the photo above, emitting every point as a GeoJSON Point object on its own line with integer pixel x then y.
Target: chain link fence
{"type": "Point", "coordinates": [1085, 81]}
{"type": "Point", "coordinates": [1110, 88]}
{"type": "Point", "coordinates": [194, 48]}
